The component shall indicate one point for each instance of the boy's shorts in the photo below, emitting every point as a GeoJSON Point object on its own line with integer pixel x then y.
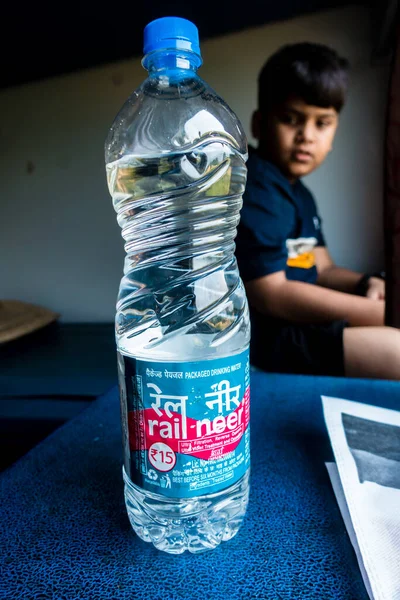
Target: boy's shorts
{"type": "Point", "coordinates": [283, 347]}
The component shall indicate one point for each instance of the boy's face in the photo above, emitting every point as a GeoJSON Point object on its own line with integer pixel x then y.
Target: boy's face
{"type": "Point", "coordinates": [296, 136]}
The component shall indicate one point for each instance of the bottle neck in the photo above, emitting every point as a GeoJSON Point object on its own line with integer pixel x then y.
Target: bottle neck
{"type": "Point", "coordinates": [160, 61]}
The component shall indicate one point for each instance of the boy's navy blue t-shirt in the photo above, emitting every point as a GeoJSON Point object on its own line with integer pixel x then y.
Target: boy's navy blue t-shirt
{"type": "Point", "coordinates": [279, 225]}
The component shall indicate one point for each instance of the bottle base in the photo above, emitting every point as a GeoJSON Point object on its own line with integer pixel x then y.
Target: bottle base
{"type": "Point", "coordinates": [193, 524]}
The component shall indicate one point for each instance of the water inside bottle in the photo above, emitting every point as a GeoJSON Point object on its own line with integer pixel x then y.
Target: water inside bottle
{"type": "Point", "coordinates": [178, 215]}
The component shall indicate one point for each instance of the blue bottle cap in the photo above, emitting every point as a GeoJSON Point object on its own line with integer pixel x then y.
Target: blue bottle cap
{"type": "Point", "coordinates": [171, 32]}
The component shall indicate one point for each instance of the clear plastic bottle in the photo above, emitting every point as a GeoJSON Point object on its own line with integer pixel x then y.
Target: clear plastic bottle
{"type": "Point", "coordinates": [175, 161]}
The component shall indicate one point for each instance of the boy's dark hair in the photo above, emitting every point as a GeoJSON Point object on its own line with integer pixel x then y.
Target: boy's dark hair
{"type": "Point", "coordinates": [313, 72]}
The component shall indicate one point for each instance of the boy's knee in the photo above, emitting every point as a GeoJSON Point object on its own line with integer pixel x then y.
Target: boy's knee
{"type": "Point", "coordinates": [392, 335]}
{"type": "Point", "coordinates": [388, 352]}
{"type": "Point", "coordinates": [372, 352]}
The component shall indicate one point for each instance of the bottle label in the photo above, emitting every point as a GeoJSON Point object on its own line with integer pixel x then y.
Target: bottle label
{"type": "Point", "coordinates": [186, 428]}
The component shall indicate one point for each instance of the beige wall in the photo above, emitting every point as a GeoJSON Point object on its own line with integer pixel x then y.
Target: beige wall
{"type": "Point", "coordinates": [60, 245]}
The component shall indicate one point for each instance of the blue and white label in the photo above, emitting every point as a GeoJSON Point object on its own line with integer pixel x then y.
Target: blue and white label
{"type": "Point", "coordinates": [186, 425]}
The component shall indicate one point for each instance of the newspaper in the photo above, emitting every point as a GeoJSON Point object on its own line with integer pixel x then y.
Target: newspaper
{"type": "Point", "coordinates": [366, 481]}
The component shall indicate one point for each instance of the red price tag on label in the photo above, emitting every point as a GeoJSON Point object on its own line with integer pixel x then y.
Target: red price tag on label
{"type": "Point", "coordinates": [162, 457]}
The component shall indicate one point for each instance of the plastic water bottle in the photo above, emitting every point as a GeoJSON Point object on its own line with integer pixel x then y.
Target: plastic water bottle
{"type": "Point", "coordinates": [175, 160]}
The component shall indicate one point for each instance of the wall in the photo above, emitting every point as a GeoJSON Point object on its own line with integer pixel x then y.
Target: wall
{"type": "Point", "coordinates": [60, 245]}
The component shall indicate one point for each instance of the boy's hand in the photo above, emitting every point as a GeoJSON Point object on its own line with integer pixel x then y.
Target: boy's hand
{"type": "Point", "coordinates": [375, 289]}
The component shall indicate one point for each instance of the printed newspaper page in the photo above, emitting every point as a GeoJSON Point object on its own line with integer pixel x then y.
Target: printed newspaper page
{"type": "Point", "coordinates": [366, 445]}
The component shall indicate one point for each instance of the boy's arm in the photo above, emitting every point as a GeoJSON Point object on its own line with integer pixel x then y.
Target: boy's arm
{"type": "Point", "coordinates": [344, 280]}
{"type": "Point", "coordinates": [297, 301]}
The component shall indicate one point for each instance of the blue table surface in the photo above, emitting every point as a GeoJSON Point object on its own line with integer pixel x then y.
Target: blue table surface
{"type": "Point", "coordinates": [65, 534]}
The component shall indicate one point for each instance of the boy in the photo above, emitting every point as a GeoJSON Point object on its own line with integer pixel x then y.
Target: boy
{"type": "Point", "coordinates": [308, 315]}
